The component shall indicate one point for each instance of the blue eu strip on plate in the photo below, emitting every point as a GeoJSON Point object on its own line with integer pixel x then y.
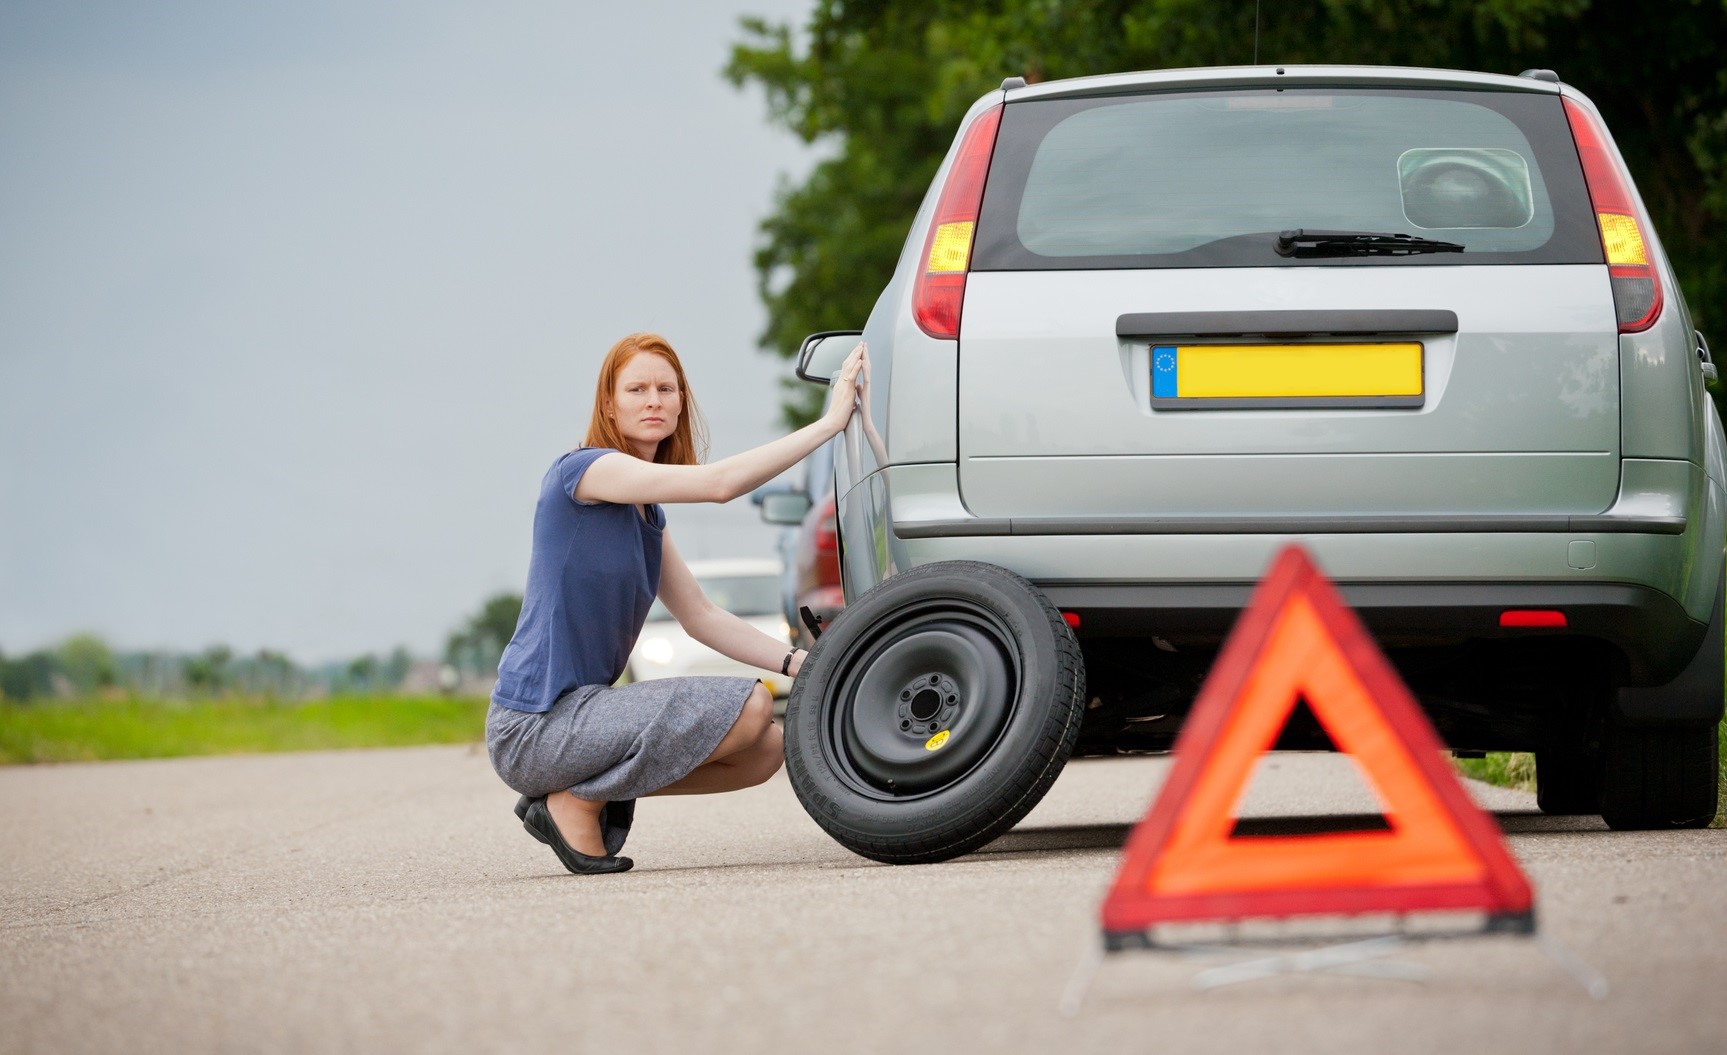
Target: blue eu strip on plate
{"type": "Point", "coordinates": [1163, 372]}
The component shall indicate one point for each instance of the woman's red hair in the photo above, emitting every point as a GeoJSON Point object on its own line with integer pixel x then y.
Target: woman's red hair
{"type": "Point", "coordinates": [688, 443]}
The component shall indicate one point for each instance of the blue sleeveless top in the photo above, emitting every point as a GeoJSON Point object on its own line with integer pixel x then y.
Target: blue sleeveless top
{"type": "Point", "coordinates": [593, 574]}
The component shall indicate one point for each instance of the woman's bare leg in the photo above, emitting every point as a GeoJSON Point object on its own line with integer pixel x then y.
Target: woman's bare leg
{"type": "Point", "coordinates": [741, 769]}
{"type": "Point", "coordinates": [751, 751]}
{"type": "Point", "coordinates": [578, 821]}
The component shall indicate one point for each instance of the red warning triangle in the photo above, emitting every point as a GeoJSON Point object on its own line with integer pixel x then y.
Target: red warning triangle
{"type": "Point", "coordinates": [1296, 641]}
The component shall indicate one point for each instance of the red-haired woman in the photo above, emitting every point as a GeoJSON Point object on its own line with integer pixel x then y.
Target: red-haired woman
{"type": "Point", "coordinates": [579, 750]}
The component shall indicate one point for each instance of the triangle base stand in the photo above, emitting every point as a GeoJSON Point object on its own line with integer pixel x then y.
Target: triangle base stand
{"type": "Point", "coordinates": [1361, 958]}
{"type": "Point", "coordinates": [1358, 957]}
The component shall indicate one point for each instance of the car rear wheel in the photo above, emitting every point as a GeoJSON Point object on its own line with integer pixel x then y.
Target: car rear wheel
{"type": "Point", "coordinates": [1659, 777]}
{"type": "Point", "coordinates": [1660, 751]}
{"type": "Point", "coordinates": [935, 712]}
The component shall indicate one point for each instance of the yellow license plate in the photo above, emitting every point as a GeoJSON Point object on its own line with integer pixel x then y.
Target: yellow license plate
{"type": "Point", "coordinates": [1286, 375]}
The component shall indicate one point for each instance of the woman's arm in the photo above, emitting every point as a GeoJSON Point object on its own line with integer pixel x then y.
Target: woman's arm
{"type": "Point", "coordinates": [631, 480]}
{"type": "Point", "coordinates": [712, 625]}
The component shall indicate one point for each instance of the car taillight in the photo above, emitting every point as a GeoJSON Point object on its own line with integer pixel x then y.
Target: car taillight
{"type": "Point", "coordinates": [940, 285]}
{"type": "Point", "coordinates": [827, 535]}
{"type": "Point", "coordinates": [1636, 287]}
{"type": "Point", "coordinates": [1532, 617]}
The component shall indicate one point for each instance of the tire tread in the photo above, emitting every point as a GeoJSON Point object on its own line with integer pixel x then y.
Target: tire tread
{"type": "Point", "coordinates": [1660, 777]}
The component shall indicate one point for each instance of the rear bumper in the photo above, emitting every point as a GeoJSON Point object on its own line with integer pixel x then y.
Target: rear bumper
{"type": "Point", "coordinates": [1653, 632]}
{"type": "Point", "coordinates": [1641, 576]}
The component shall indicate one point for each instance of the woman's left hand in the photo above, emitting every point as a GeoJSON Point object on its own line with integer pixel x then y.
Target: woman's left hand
{"type": "Point", "coordinates": [848, 382]}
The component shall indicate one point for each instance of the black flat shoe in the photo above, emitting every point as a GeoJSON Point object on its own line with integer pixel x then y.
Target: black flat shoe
{"type": "Point", "coordinates": [615, 820]}
{"type": "Point", "coordinates": [537, 819]}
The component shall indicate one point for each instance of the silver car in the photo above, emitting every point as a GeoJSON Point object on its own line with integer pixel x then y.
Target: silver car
{"type": "Point", "coordinates": [1149, 328]}
{"type": "Point", "coordinates": [747, 587]}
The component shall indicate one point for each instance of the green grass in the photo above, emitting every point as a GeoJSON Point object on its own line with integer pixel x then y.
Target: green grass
{"type": "Point", "coordinates": [90, 730]}
{"type": "Point", "coordinates": [1516, 769]}
{"type": "Point", "coordinates": [1507, 769]}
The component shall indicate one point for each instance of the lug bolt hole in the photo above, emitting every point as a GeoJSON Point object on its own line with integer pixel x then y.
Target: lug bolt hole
{"type": "Point", "coordinates": [906, 695]}
{"type": "Point", "coordinates": [905, 725]}
{"type": "Point", "coordinates": [952, 698]}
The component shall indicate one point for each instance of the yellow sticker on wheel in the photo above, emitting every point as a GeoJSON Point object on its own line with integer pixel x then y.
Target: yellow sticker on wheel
{"type": "Point", "coordinates": [935, 742]}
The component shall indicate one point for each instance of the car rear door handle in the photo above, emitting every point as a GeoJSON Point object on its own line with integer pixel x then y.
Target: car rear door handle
{"type": "Point", "coordinates": [1284, 323]}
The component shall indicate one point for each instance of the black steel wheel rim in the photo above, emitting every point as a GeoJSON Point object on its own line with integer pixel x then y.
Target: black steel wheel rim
{"type": "Point", "coordinates": [923, 701]}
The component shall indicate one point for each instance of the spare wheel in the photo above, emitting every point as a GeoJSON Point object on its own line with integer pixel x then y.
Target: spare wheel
{"type": "Point", "coordinates": [934, 712]}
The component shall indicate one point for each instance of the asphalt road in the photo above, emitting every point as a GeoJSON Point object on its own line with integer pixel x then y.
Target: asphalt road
{"type": "Point", "coordinates": [387, 901]}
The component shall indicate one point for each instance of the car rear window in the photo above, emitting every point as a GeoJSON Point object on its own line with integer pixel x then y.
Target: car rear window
{"type": "Point", "coordinates": [1210, 179]}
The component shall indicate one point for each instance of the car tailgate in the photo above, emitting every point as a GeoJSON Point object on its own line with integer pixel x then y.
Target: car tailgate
{"type": "Point", "coordinates": [1518, 410]}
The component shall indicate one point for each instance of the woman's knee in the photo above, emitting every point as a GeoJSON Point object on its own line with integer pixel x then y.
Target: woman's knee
{"type": "Point", "coordinates": [767, 755]}
{"type": "Point", "coordinates": [756, 718]}
{"type": "Point", "coordinates": [758, 713]}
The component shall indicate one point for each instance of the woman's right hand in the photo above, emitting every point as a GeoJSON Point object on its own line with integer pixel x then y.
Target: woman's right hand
{"type": "Point", "coordinates": [849, 383]}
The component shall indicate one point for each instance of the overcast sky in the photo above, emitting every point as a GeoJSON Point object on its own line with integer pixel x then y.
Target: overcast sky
{"type": "Point", "coordinates": [298, 301]}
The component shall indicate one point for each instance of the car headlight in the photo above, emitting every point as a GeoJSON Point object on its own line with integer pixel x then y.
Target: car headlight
{"type": "Point", "coordinates": [657, 650]}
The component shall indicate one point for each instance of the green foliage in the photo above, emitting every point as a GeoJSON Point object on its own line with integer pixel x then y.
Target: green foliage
{"type": "Point", "coordinates": [84, 665]}
{"type": "Point", "coordinates": [1507, 769]}
{"type": "Point", "coordinates": [89, 730]}
{"type": "Point", "coordinates": [87, 663]}
{"type": "Point", "coordinates": [28, 676]}
{"type": "Point", "coordinates": [269, 672]}
{"type": "Point", "coordinates": [363, 671]}
{"type": "Point", "coordinates": [884, 86]}
{"type": "Point", "coordinates": [209, 672]}
{"type": "Point", "coordinates": [1721, 784]}
{"type": "Point", "coordinates": [479, 644]}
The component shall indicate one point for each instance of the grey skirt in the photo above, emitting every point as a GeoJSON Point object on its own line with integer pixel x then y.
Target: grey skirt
{"type": "Point", "coordinates": [609, 744]}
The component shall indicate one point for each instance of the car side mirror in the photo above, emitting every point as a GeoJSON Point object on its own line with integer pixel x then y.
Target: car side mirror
{"type": "Point", "coordinates": [822, 353]}
{"type": "Point", "coordinates": [785, 507]}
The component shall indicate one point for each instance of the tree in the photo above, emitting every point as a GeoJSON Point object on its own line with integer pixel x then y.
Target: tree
{"type": "Point", "coordinates": [396, 667]}
{"type": "Point", "coordinates": [29, 676]}
{"type": "Point", "coordinates": [87, 662]}
{"type": "Point", "coordinates": [361, 674]}
{"type": "Point", "coordinates": [273, 673]}
{"type": "Point", "coordinates": [480, 643]}
{"type": "Point", "coordinates": [209, 671]}
{"type": "Point", "coordinates": [886, 83]}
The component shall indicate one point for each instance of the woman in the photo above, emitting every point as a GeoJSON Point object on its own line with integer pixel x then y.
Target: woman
{"type": "Point", "coordinates": [579, 751]}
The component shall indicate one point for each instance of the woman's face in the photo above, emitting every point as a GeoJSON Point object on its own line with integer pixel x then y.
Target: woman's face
{"type": "Point", "coordinates": [646, 403]}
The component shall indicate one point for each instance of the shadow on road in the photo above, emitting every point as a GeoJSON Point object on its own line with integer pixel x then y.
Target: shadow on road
{"type": "Point", "coordinates": [1114, 836]}
{"type": "Point", "coordinates": [1070, 837]}
{"type": "Point", "coordinates": [1530, 822]}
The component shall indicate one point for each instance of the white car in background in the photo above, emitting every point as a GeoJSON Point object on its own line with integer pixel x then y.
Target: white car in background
{"type": "Point", "coordinates": [746, 587]}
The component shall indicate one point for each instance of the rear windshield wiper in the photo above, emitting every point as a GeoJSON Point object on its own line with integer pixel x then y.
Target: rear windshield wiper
{"type": "Point", "coordinates": [1303, 242]}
